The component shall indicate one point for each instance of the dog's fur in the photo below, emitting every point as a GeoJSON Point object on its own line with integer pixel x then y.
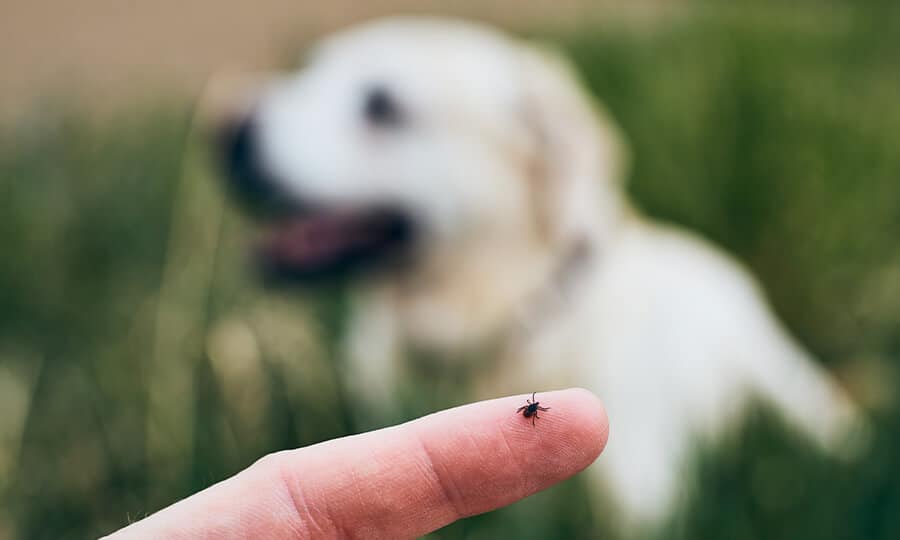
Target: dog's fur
{"type": "Point", "coordinates": [523, 239]}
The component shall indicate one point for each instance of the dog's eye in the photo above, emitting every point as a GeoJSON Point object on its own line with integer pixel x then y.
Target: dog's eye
{"type": "Point", "coordinates": [380, 108]}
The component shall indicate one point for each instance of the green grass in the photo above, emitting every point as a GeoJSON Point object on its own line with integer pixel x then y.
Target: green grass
{"type": "Point", "coordinates": [128, 318]}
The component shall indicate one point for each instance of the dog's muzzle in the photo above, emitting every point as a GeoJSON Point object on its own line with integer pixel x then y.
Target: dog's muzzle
{"type": "Point", "coordinates": [304, 242]}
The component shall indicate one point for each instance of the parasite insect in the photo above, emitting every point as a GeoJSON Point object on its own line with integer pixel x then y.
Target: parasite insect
{"type": "Point", "coordinates": [531, 410]}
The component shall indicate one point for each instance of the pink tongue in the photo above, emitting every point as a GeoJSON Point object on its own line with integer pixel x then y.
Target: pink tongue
{"type": "Point", "coordinates": [309, 240]}
{"type": "Point", "coordinates": [315, 239]}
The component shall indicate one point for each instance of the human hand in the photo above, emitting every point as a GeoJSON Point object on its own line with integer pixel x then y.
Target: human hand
{"type": "Point", "coordinates": [399, 482]}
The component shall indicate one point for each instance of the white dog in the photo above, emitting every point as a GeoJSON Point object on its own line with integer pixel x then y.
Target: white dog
{"type": "Point", "coordinates": [478, 167]}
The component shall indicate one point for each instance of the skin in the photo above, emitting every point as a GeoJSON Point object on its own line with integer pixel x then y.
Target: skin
{"type": "Point", "coordinates": [399, 482]}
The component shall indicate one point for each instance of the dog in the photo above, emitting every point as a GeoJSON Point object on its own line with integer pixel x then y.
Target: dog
{"type": "Point", "coordinates": [474, 183]}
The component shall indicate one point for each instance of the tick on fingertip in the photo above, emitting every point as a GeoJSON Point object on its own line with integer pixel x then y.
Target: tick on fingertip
{"type": "Point", "coordinates": [531, 410]}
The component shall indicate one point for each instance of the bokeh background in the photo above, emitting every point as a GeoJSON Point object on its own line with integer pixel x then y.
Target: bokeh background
{"type": "Point", "coordinates": [140, 361]}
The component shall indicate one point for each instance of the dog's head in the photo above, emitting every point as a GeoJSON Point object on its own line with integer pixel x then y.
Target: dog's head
{"type": "Point", "coordinates": [406, 136]}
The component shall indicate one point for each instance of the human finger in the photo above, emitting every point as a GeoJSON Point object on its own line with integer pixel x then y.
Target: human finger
{"type": "Point", "coordinates": [398, 482]}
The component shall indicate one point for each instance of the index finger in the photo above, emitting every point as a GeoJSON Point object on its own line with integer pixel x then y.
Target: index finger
{"type": "Point", "coordinates": [399, 482]}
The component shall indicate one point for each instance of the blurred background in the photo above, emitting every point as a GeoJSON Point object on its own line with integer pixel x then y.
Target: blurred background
{"type": "Point", "coordinates": [140, 361]}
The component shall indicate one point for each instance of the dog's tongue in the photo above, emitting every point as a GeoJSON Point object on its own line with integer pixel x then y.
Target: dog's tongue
{"type": "Point", "coordinates": [316, 242]}
{"type": "Point", "coordinates": [309, 241]}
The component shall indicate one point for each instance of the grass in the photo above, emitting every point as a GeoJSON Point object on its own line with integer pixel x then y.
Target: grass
{"type": "Point", "coordinates": [128, 319]}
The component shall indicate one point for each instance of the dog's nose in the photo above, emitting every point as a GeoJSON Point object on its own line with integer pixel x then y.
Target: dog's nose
{"type": "Point", "coordinates": [238, 144]}
{"type": "Point", "coordinates": [238, 153]}
{"type": "Point", "coordinates": [246, 174]}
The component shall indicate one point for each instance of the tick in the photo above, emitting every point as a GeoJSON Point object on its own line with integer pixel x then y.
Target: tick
{"type": "Point", "coordinates": [531, 410]}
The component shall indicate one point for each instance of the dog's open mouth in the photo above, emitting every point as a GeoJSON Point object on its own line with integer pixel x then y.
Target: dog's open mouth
{"type": "Point", "coordinates": [303, 242]}
{"type": "Point", "coordinates": [321, 244]}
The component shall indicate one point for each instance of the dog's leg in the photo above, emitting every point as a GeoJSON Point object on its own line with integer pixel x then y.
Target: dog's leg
{"type": "Point", "coordinates": [643, 469]}
{"type": "Point", "coordinates": [765, 361]}
{"type": "Point", "coordinates": [805, 393]}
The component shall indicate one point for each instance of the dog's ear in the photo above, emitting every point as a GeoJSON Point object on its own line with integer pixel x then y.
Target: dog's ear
{"type": "Point", "coordinates": [579, 156]}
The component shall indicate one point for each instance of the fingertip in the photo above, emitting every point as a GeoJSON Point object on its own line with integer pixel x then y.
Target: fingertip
{"type": "Point", "coordinates": [583, 422]}
{"type": "Point", "coordinates": [595, 420]}
{"type": "Point", "coordinates": [565, 439]}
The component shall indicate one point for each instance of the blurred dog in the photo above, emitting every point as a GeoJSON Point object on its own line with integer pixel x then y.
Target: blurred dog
{"type": "Point", "coordinates": [480, 186]}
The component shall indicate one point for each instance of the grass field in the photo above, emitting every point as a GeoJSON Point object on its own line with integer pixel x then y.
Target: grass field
{"type": "Point", "coordinates": [140, 361]}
